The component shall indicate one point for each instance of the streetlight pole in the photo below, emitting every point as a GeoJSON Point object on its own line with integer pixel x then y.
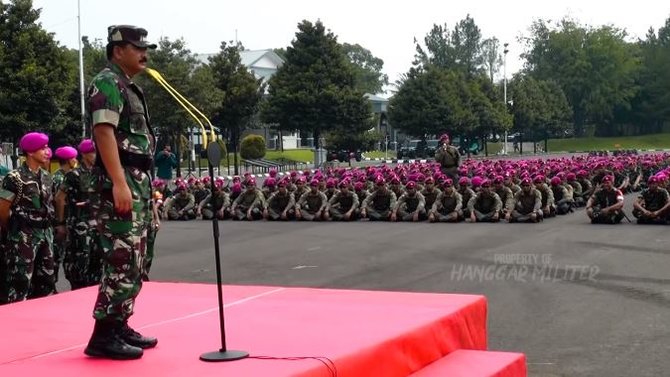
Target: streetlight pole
{"type": "Point", "coordinates": [81, 73]}
{"type": "Point", "coordinates": [505, 51]}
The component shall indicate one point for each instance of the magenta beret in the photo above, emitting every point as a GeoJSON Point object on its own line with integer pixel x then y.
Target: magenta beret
{"type": "Point", "coordinates": [33, 141]}
{"type": "Point", "coordinates": [87, 146]}
{"type": "Point", "coordinates": [66, 153]}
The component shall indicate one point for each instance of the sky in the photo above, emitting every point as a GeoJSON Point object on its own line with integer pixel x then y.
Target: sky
{"type": "Point", "coordinates": [387, 29]}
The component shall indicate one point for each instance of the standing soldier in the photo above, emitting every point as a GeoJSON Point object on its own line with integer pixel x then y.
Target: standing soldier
{"type": "Point", "coordinates": [411, 206]}
{"type": "Point", "coordinates": [67, 160]}
{"type": "Point", "coordinates": [448, 206]}
{"type": "Point", "coordinates": [125, 148]}
{"type": "Point", "coordinates": [26, 215]}
{"type": "Point", "coordinates": [606, 205]}
{"type": "Point", "coordinates": [281, 204]}
{"type": "Point", "coordinates": [448, 157]}
{"type": "Point", "coordinates": [75, 211]}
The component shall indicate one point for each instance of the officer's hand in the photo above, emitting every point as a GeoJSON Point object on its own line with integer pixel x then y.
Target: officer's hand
{"type": "Point", "coordinates": [249, 214]}
{"type": "Point", "coordinates": [589, 211]}
{"type": "Point", "coordinates": [317, 215]}
{"type": "Point", "coordinates": [507, 216]}
{"type": "Point", "coordinates": [416, 216]}
{"type": "Point", "coordinates": [473, 218]}
{"type": "Point", "coordinates": [364, 213]}
{"type": "Point", "coordinates": [431, 217]}
{"type": "Point", "coordinates": [605, 211]}
{"type": "Point", "coordinates": [298, 214]}
{"type": "Point", "coordinates": [156, 223]}
{"type": "Point", "coordinates": [221, 212]}
{"type": "Point", "coordinates": [284, 216]}
{"type": "Point", "coordinates": [123, 199]}
{"type": "Point", "coordinates": [347, 215]}
{"type": "Point", "coordinates": [393, 217]}
{"type": "Point", "coordinates": [496, 216]}
{"type": "Point", "coordinates": [266, 213]}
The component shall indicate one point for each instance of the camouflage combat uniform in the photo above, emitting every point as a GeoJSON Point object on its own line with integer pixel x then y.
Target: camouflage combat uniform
{"type": "Point", "coordinates": [249, 200]}
{"type": "Point", "coordinates": [59, 245]}
{"type": "Point", "coordinates": [448, 207]}
{"type": "Point", "coordinates": [341, 203]}
{"type": "Point", "coordinates": [311, 204]}
{"type": "Point", "coordinates": [221, 202]}
{"type": "Point", "coordinates": [280, 202]}
{"type": "Point", "coordinates": [83, 257]}
{"type": "Point", "coordinates": [28, 260]}
{"type": "Point", "coordinates": [652, 200]}
{"type": "Point", "coordinates": [181, 207]}
{"type": "Point", "coordinates": [115, 100]}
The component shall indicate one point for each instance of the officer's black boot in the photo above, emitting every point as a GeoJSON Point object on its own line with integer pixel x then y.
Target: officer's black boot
{"type": "Point", "coordinates": [136, 339]}
{"type": "Point", "coordinates": [107, 343]}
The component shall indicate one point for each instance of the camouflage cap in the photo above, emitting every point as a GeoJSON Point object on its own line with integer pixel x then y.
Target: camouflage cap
{"type": "Point", "coordinates": [131, 34]}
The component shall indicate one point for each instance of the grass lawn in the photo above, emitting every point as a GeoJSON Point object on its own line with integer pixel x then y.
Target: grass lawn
{"type": "Point", "coordinates": [656, 141]}
{"type": "Point", "coordinates": [379, 154]}
{"type": "Point", "coordinates": [299, 155]}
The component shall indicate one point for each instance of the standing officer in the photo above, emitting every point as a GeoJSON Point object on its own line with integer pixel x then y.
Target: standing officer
{"type": "Point", "coordinates": [448, 158]}
{"type": "Point", "coordinates": [75, 211]}
{"type": "Point", "coordinates": [125, 147]}
{"type": "Point", "coordinates": [28, 261]}
{"type": "Point", "coordinates": [67, 160]}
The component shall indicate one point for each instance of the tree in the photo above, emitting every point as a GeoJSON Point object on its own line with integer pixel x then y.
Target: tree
{"type": "Point", "coordinates": [466, 42]}
{"type": "Point", "coordinates": [36, 75]}
{"type": "Point", "coordinates": [491, 57]}
{"type": "Point", "coordinates": [367, 69]}
{"type": "Point", "coordinates": [439, 50]}
{"type": "Point", "coordinates": [595, 68]}
{"type": "Point", "coordinates": [315, 88]}
{"type": "Point", "coordinates": [241, 92]}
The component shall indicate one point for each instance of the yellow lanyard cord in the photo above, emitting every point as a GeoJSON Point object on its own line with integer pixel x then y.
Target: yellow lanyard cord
{"type": "Point", "coordinates": [184, 102]}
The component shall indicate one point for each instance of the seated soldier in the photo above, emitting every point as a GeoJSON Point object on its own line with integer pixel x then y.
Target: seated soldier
{"type": "Point", "coordinates": [181, 206]}
{"type": "Point", "coordinates": [343, 205]}
{"type": "Point", "coordinates": [548, 207]}
{"type": "Point", "coordinates": [606, 204]}
{"type": "Point", "coordinates": [331, 189]}
{"type": "Point", "coordinates": [361, 193]}
{"type": "Point", "coordinates": [379, 204]}
{"type": "Point", "coordinates": [410, 206]}
{"type": "Point", "coordinates": [527, 204]}
{"type": "Point", "coordinates": [505, 193]}
{"type": "Point", "coordinates": [199, 191]}
{"type": "Point", "coordinates": [208, 210]}
{"type": "Point", "coordinates": [466, 194]}
{"type": "Point", "coordinates": [249, 204]}
{"type": "Point", "coordinates": [269, 187]}
{"type": "Point", "coordinates": [562, 199]}
{"type": "Point", "coordinates": [430, 192]}
{"type": "Point", "coordinates": [651, 207]}
{"type": "Point", "coordinates": [587, 186]}
{"type": "Point", "coordinates": [448, 206]}
{"type": "Point", "coordinates": [281, 204]}
{"type": "Point", "coordinates": [577, 191]}
{"type": "Point", "coordinates": [485, 206]}
{"type": "Point", "coordinates": [312, 204]}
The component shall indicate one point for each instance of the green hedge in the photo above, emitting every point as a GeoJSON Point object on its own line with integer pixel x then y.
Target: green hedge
{"type": "Point", "coordinates": [252, 147]}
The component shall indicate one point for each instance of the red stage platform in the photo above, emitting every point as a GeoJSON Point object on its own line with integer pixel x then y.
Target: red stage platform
{"type": "Point", "coordinates": [363, 333]}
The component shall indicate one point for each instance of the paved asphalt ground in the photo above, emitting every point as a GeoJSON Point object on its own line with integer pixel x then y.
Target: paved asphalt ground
{"type": "Point", "coordinates": [578, 299]}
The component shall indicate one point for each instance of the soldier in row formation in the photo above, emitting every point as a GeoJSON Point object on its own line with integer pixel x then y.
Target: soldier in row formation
{"type": "Point", "coordinates": [385, 194]}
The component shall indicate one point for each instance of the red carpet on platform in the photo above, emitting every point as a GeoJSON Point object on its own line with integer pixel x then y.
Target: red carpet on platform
{"type": "Point", "coordinates": [363, 333]}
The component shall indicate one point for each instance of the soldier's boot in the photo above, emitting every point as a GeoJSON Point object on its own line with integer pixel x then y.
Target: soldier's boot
{"type": "Point", "coordinates": [107, 343]}
{"type": "Point", "coordinates": [136, 339]}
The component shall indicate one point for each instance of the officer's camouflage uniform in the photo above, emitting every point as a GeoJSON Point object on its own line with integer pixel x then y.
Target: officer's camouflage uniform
{"type": "Point", "coordinates": [28, 260]}
{"type": "Point", "coordinates": [83, 257]}
{"type": "Point", "coordinates": [449, 159]}
{"type": "Point", "coordinates": [578, 194]}
{"type": "Point", "coordinates": [507, 197]}
{"type": "Point", "coordinates": [59, 246]}
{"type": "Point", "coordinates": [448, 207]}
{"type": "Point", "coordinates": [341, 203]}
{"type": "Point", "coordinates": [115, 100]}
{"type": "Point", "coordinates": [430, 196]}
{"type": "Point", "coordinates": [548, 208]}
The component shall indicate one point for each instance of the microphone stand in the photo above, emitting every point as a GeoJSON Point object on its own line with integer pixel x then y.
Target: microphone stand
{"type": "Point", "coordinates": [223, 354]}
